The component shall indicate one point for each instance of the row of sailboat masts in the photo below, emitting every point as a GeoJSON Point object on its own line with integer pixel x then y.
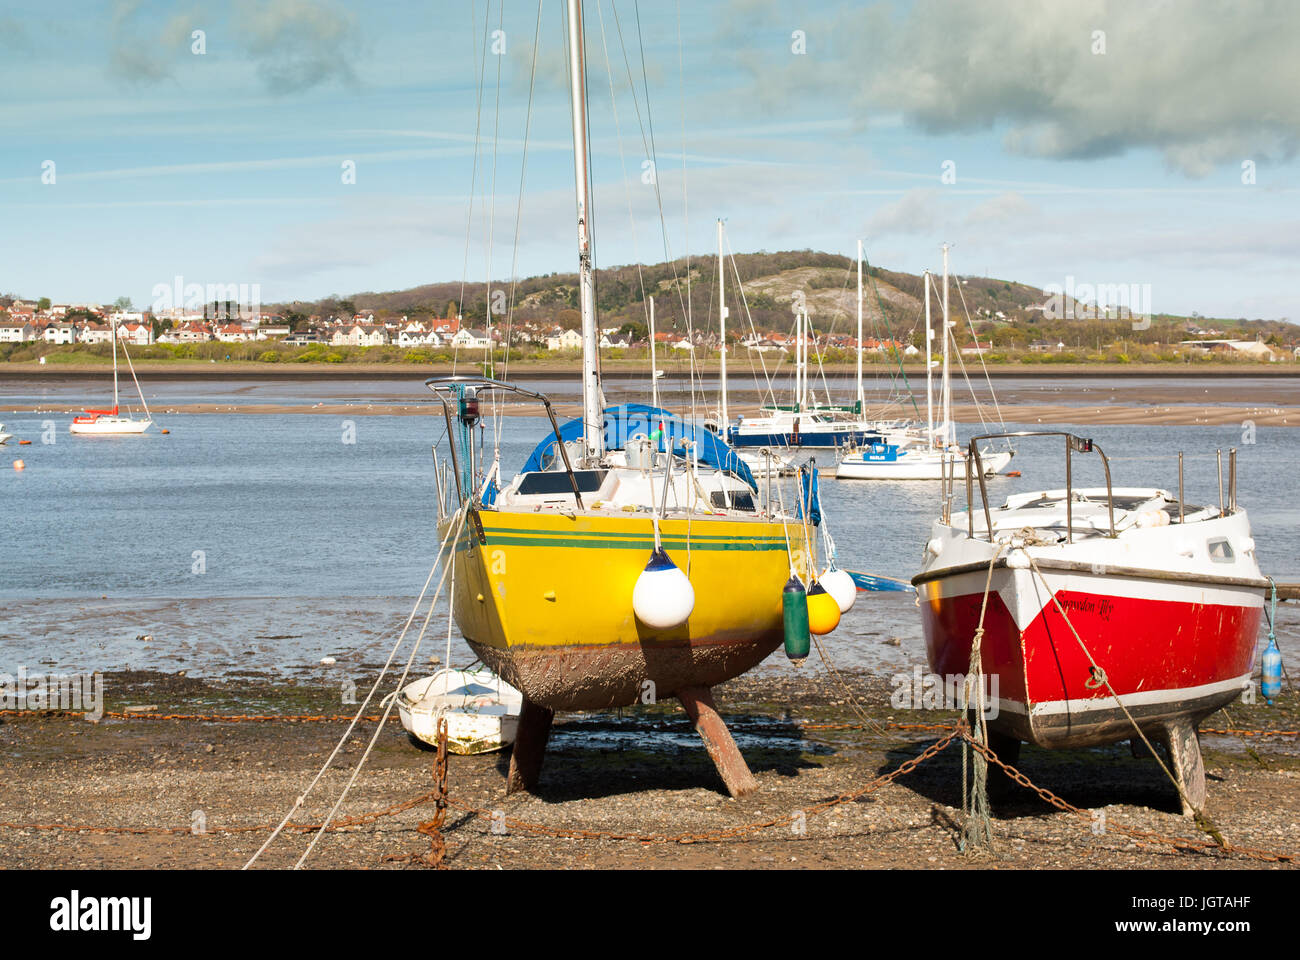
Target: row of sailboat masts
{"type": "Point", "coordinates": [933, 440]}
{"type": "Point", "coordinates": [801, 328]}
{"type": "Point", "coordinates": [948, 436]}
{"type": "Point", "coordinates": [592, 395]}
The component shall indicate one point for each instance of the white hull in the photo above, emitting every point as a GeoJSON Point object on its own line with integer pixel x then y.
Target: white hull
{"type": "Point", "coordinates": [481, 710]}
{"type": "Point", "coordinates": [111, 426]}
{"type": "Point", "coordinates": [915, 465]}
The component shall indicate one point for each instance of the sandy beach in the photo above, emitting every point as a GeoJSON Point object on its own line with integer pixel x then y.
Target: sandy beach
{"type": "Point", "coordinates": [1226, 395]}
{"type": "Point", "coordinates": [1261, 416]}
{"type": "Point", "coordinates": [637, 771]}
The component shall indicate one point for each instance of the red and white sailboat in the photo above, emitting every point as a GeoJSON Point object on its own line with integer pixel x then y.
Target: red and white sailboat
{"type": "Point", "coordinates": [111, 422]}
{"type": "Point", "coordinates": [1166, 599]}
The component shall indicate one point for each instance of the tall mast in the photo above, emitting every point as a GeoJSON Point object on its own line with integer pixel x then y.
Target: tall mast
{"type": "Point", "coordinates": [654, 370]}
{"type": "Point", "coordinates": [592, 414]}
{"type": "Point", "coordinates": [113, 325]}
{"type": "Point", "coordinates": [722, 324]}
{"type": "Point", "coordinates": [929, 366]}
{"type": "Point", "coordinates": [802, 362]}
{"type": "Point", "coordinates": [798, 360]}
{"type": "Point", "coordinates": [947, 392]}
{"type": "Point", "coordinates": [862, 405]}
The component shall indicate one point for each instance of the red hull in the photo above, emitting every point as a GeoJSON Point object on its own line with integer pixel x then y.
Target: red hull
{"type": "Point", "coordinates": [1165, 659]}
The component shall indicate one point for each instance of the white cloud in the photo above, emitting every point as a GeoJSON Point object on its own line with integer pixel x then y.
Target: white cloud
{"type": "Point", "coordinates": [916, 211]}
{"type": "Point", "coordinates": [1005, 208]}
{"type": "Point", "coordinates": [1204, 82]}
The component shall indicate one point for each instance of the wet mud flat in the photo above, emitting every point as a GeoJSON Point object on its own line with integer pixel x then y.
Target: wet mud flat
{"type": "Point", "coordinates": [641, 772]}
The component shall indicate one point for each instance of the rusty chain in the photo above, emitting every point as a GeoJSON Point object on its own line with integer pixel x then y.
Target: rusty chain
{"type": "Point", "coordinates": [345, 718]}
{"type": "Point", "coordinates": [439, 796]}
{"type": "Point", "coordinates": [1136, 833]}
{"type": "Point", "coordinates": [432, 828]}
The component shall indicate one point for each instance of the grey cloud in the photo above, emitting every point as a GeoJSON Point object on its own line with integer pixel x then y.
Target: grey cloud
{"type": "Point", "coordinates": [1204, 82]}
{"type": "Point", "coordinates": [298, 44]}
{"type": "Point", "coordinates": [140, 57]}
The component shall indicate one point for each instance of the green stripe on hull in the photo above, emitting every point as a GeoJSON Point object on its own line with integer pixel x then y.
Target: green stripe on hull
{"type": "Point", "coordinates": [646, 543]}
{"type": "Point", "coordinates": [576, 534]}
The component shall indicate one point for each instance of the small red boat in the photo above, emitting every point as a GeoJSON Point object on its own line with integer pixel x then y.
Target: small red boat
{"type": "Point", "coordinates": [1166, 599]}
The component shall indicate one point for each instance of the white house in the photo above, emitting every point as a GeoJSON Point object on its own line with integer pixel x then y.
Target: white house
{"type": "Point", "coordinates": [192, 332]}
{"type": "Point", "coordinates": [13, 331]}
{"type": "Point", "coordinates": [567, 340]}
{"type": "Point", "coordinates": [467, 339]}
{"type": "Point", "coordinates": [92, 332]}
{"type": "Point", "coordinates": [417, 337]}
{"type": "Point", "coordinates": [137, 334]}
{"type": "Point", "coordinates": [232, 333]}
{"type": "Point", "coordinates": [61, 333]}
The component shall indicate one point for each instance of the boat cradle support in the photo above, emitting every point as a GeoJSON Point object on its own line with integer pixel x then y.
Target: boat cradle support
{"type": "Point", "coordinates": [1183, 744]}
{"type": "Point", "coordinates": [526, 757]}
{"type": "Point", "coordinates": [699, 706]}
{"type": "Point", "coordinates": [535, 728]}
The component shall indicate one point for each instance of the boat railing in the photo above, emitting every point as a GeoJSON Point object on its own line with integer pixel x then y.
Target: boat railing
{"type": "Point", "coordinates": [1073, 444]}
{"type": "Point", "coordinates": [448, 389]}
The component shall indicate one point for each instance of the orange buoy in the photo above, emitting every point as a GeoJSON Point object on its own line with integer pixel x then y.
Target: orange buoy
{"type": "Point", "coordinates": [24, 443]}
{"type": "Point", "coordinates": [1014, 473]}
{"type": "Point", "coordinates": [166, 431]}
{"type": "Point", "coordinates": [823, 611]}
{"type": "Point", "coordinates": [19, 465]}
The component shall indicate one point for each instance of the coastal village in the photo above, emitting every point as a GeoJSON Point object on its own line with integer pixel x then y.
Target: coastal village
{"type": "Point", "coordinates": [67, 324]}
{"type": "Point", "coordinates": [30, 322]}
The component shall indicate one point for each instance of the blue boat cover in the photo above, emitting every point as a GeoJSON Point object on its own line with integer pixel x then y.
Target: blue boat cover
{"type": "Point", "coordinates": [868, 581]}
{"type": "Point", "coordinates": [812, 497]}
{"type": "Point", "coordinates": [627, 420]}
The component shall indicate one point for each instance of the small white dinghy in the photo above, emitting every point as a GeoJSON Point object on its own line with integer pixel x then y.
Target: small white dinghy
{"type": "Point", "coordinates": [481, 710]}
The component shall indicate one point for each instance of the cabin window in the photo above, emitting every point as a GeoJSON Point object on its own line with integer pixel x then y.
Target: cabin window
{"type": "Point", "coordinates": [1220, 551]}
{"type": "Point", "coordinates": [557, 482]}
{"type": "Point", "coordinates": [740, 500]}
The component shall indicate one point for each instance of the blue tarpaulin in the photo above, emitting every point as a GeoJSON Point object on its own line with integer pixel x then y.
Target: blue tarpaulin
{"type": "Point", "coordinates": [867, 581]}
{"type": "Point", "coordinates": [627, 420]}
{"type": "Point", "coordinates": [809, 494]}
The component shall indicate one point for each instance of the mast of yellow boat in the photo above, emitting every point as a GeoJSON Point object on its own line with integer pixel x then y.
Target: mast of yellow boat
{"type": "Point", "coordinates": [592, 399]}
{"type": "Point", "coordinates": [722, 326]}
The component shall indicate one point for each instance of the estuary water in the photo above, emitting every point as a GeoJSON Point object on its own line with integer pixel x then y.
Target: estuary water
{"type": "Point", "coordinates": [269, 541]}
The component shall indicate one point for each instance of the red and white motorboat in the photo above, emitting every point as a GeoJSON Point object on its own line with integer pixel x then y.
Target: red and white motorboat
{"type": "Point", "coordinates": [1166, 597]}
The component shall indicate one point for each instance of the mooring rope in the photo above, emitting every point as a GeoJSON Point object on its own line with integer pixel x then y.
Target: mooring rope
{"type": "Point", "coordinates": [452, 537]}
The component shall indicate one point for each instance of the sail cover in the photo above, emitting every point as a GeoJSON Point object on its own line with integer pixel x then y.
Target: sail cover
{"type": "Point", "coordinates": [627, 420]}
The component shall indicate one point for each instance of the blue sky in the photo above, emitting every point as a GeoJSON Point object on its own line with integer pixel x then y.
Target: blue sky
{"type": "Point", "coordinates": [1113, 157]}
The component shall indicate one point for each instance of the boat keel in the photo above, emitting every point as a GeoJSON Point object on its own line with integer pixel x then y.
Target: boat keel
{"type": "Point", "coordinates": [1183, 744]}
{"type": "Point", "coordinates": [699, 706]}
{"type": "Point", "coordinates": [530, 746]}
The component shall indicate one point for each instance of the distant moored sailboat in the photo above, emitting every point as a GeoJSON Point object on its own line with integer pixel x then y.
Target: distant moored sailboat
{"type": "Point", "coordinates": [111, 422]}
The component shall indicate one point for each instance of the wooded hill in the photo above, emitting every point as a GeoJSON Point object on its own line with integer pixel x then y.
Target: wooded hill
{"type": "Point", "coordinates": [1002, 310]}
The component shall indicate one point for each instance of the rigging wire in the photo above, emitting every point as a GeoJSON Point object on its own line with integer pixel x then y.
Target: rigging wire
{"type": "Point", "coordinates": [514, 254]}
{"type": "Point", "coordinates": [480, 62]}
{"type": "Point", "coordinates": [492, 200]}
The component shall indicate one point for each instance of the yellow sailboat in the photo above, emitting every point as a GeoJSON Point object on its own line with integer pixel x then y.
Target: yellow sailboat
{"type": "Point", "coordinates": [571, 580]}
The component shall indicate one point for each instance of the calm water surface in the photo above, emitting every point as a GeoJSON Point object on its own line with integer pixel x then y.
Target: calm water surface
{"type": "Point", "coordinates": [268, 541]}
